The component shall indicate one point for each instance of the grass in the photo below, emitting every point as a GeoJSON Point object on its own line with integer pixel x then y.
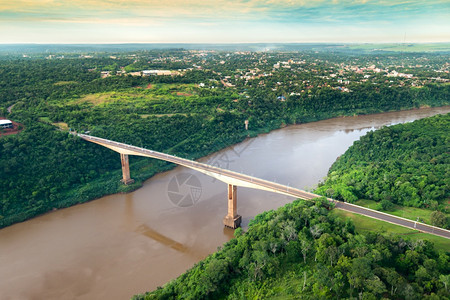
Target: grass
{"type": "Point", "coordinates": [95, 99]}
{"type": "Point", "coordinates": [367, 203]}
{"type": "Point", "coordinates": [159, 92]}
{"type": "Point", "coordinates": [59, 83]}
{"type": "Point", "coordinates": [111, 97]}
{"type": "Point", "coordinates": [144, 116]}
{"type": "Point", "coordinates": [410, 213]}
{"type": "Point", "coordinates": [365, 224]}
{"type": "Point", "coordinates": [174, 86]}
{"type": "Point", "coordinates": [45, 120]}
{"type": "Point", "coordinates": [63, 126]}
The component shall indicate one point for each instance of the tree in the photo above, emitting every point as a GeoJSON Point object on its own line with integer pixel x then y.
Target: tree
{"type": "Point", "coordinates": [438, 219]}
{"type": "Point", "coordinates": [375, 285]}
{"type": "Point", "coordinates": [445, 279]}
{"type": "Point", "coordinates": [316, 231]}
{"type": "Point", "coordinates": [394, 279]}
{"type": "Point", "coordinates": [289, 233]}
{"type": "Point", "coordinates": [385, 205]}
{"type": "Point", "coordinates": [306, 245]}
{"type": "Point", "coordinates": [332, 252]}
{"type": "Point", "coordinates": [360, 271]}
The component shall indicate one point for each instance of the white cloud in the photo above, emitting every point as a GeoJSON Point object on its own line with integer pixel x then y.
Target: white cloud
{"type": "Point", "coordinates": [200, 20]}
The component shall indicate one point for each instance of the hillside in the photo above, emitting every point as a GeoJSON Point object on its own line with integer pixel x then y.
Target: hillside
{"type": "Point", "coordinates": [190, 113]}
{"type": "Point", "coordinates": [302, 251]}
{"type": "Point", "coordinates": [403, 165]}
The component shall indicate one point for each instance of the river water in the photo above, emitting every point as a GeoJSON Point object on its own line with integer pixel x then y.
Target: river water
{"type": "Point", "coordinates": [124, 244]}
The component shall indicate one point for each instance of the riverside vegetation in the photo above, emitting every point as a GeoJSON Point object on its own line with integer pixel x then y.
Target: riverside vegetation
{"type": "Point", "coordinates": [401, 165]}
{"type": "Point", "coordinates": [197, 110]}
{"type": "Point", "coordinates": [301, 251]}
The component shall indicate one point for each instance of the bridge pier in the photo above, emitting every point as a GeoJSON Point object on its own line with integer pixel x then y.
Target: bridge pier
{"type": "Point", "coordinates": [126, 179]}
{"type": "Point", "coordinates": [232, 219]}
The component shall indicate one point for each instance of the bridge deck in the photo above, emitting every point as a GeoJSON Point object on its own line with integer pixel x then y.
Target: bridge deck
{"type": "Point", "coordinates": [239, 179]}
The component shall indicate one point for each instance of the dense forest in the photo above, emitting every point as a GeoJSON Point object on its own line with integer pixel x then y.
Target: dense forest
{"type": "Point", "coordinates": [190, 114]}
{"type": "Point", "coordinates": [301, 251]}
{"type": "Point", "coordinates": [406, 164]}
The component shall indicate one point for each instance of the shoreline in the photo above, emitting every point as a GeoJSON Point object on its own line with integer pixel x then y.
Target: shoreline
{"type": "Point", "coordinates": [141, 229]}
{"type": "Point", "coordinates": [139, 183]}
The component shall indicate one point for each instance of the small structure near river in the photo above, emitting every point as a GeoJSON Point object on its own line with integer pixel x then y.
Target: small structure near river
{"type": "Point", "coordinates": [6, 124]}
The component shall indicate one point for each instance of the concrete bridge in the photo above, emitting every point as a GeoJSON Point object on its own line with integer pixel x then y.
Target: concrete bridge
{"type": "Point", "coordinates": [235, 179]}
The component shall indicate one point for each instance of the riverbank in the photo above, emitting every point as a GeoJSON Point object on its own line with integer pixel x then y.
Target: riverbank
{"type": "Point", "coordinates": [272, 243]}
{"type": "Point", "coordinates": [143, 169]}
{"type": "Point", "coordinates": [125, 244]}
{"type": "Point", "coordinates": [141, 177]}
{"type": "Point", "coordinates": [302, 250]}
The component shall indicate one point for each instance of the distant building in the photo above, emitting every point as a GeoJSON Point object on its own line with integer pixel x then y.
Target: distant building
{"type": "Point", "coordinates": [156, 72]}
{"type": "Point", "coordinates": [6, 124]}
{"type": "Point", "coordinates": [105, 74]}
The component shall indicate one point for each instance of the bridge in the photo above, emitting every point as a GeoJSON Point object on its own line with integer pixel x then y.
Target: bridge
{"type": "Point", "coordinates": [235, 179]}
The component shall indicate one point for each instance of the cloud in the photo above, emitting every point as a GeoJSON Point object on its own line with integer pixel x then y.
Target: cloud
{"type": "Point", "coordinates": [222, 9]}
{"type": "Point", "coordinates": [245, 16]}
{"type": "Point", "coordinates": [113, 9]}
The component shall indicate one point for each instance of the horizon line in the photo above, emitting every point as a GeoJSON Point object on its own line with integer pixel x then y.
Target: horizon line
{"type": "Point", "coordinates": [213, 43]}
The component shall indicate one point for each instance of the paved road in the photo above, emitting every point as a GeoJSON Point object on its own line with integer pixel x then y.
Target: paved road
{"type": "Point", "coordinates": [393, 219]}
{"type": "Point", "coordinates": [275, 187]}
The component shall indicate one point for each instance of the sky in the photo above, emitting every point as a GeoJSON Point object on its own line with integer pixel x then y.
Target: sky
{"type": "Point", "coordinates": [224, 21]}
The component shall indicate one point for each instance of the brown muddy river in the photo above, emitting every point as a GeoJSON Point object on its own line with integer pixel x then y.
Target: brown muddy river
{"type": "Point", "coordinates": [120, 245]}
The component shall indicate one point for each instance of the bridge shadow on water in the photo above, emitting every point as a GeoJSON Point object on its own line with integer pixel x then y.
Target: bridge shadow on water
{"type": "Point", "coordinates": [147, 231]}
{"type": "Point", "coordinates": [166, 241]}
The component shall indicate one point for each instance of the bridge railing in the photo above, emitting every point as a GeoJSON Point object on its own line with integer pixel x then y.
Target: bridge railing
{"type": "Point", "coordinates": [257, 181]}
{"type": "Point", "coordinates": [172, 158]}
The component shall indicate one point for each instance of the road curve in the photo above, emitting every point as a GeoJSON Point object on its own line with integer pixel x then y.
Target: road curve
{"type": "Point", "coordinates": [273, 186]}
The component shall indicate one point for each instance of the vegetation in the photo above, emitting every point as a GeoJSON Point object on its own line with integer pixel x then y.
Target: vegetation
{"type": "Point", "coordinates": [199, 109]}
{"type": "Point", "coordinates": [365, 224]}
{"type": "Point", "coordinates": [302, 251]}
{"type": "Point", "coordinates": [405, 164]}
{"type": "Point", "coordinates": [408, 212]}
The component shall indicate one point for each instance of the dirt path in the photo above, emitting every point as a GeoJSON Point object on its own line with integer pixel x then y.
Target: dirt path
{"type": "Point", "coordinates": [10, 108]}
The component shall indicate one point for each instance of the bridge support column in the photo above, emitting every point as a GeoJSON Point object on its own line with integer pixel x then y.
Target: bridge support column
{"type": "Point", "coordinates": [232, 219]}
{"type": "Point", "coordinates": [126, 179]}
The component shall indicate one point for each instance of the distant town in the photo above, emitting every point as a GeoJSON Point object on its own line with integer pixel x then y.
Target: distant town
{"type": "Point", "coordinates": [286, 74]}
{"type": "Point", "coordinates": [231, 109]}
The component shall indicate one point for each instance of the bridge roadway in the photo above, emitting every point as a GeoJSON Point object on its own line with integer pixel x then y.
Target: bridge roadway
{"type": "Point", "coordinates": [238, 179]}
